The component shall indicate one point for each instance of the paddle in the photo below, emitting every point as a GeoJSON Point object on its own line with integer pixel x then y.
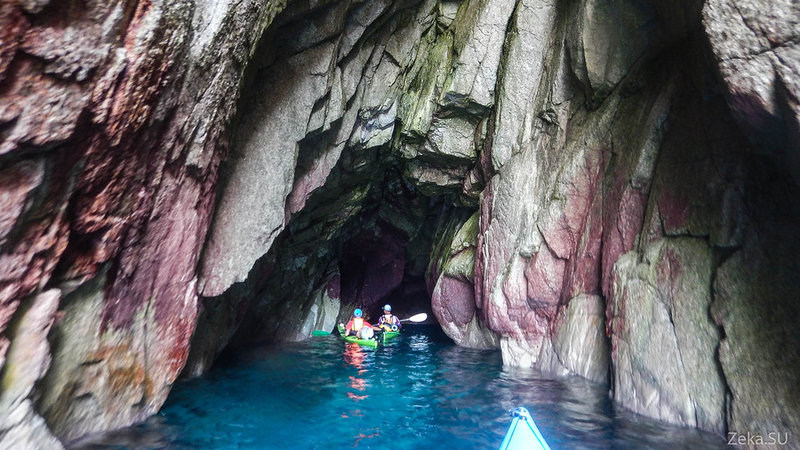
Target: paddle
{"type": "Point", "coordinates": [421, 317]}
{"type": "Point", "coordinates": [320, 333]}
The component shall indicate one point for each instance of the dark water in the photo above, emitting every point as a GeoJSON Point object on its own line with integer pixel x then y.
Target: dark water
{"type": "Point", "coordinates": [419, 392]}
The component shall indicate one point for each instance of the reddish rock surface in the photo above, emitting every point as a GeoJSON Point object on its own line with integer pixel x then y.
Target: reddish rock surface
{"type": "Point", "coordinates": [98, 143]}
{"type": "Point", "coordinates": [566, 184]}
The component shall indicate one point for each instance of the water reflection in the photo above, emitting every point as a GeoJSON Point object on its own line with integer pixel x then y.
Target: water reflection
{"type": "Point", "coordinates": [354, 356]}
{"type": "Point", "coordinates": [419, 343]}
{"type": "Point", "coordinates": [418, 391]}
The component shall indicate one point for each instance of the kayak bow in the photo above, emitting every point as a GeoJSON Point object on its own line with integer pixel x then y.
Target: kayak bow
{"type": "Point", "coordinates": [523, 433]}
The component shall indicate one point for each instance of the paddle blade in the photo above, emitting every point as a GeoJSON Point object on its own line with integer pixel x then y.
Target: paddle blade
{"type": "Point", "coordinates": [421, 317]}
{"type": "Point", "coordinates": [320, 333]}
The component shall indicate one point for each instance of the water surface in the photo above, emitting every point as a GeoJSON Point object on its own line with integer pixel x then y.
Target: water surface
{"type": "Point", "coordinates": [418, 392]}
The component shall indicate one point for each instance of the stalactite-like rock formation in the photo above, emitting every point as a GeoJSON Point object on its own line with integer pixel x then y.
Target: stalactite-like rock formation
{"type": "Point", "coordinates": [605, 189]}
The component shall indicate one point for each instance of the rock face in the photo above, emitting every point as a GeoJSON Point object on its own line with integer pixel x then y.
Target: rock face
{"type": "Point", "coordinates": [661, 313]}
{"type": "Point", "coordinates": [113, 122]}
{"type": "Point", "coordinates": [27, 360]}
{"type": "Point", "coordinates": [604, 189]}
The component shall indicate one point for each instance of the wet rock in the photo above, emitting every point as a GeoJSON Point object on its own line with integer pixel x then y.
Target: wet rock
{"type": "Point", "coordinates": [579, 345]}
{"type": "Point", "coordinates": [322, 315]}
{"type": "Point", "coordinates": [27, 361]}
{"type": "Point", "coordinates": [758, 354]}
{"type": "Point", "coordinates": [663, 342]}
{"type": "Point", "coordinates": [125, 128]}
{"type": "Point", "coordinates": [100, 372]}
{"type": "Point", "coordinates": [453, 303]}
{"type": "Point", "coordinates": [453, 295]}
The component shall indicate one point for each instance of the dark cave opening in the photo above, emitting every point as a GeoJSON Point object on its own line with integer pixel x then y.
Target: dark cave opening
{"type": "Point", "coordinates": [379, 267]}
{"type": "Point", "coordinates": [385, 252]}
{"type": "Point", "coordinates": [363, 218]}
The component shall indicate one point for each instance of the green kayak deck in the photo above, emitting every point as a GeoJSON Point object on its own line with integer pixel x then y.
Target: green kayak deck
{"type": "Point", "coordinates": [379, 338]}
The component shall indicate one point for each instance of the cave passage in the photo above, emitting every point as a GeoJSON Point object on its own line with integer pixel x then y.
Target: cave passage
{"type": "Point", "coordinates": [362, 243]}
{"type": "Point", "coordinates": [380, 267]}
{"type": "Point", "coordinates": [604, 189]}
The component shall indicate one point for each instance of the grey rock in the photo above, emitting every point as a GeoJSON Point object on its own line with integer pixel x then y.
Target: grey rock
{"type": "Point", "coordinates": [755, 45]}
{"type": "Point", "coordinates": [322, 315]}
{"type": "Point", "coordinates": [528, 42]}
{"type": "Point", "coordinates": [480, 33]}
{"type": "Point", "coordinates": [662, 338]}
{"type": "Point", "coordinates": [759, 356]}
{"type": "Point", "coordinates": [605, 41]}
{"type": "Point", "coordinates": [579, 345]}
{"type": "Point", "coordinates": [259, 176]}
{"type": "Point", "coordinates": [85, 360]}
{"type": "Point", "coordinates": [447, 12]}
{"type": "Point", "coordinates": [27, 360]}
{"type": "Point", "coordinates": [450, 140]}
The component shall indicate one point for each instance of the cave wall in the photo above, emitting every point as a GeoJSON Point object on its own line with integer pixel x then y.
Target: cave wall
{"type": "Point", "coordinates": [606, 189]}
{"type": "Point", "coordinates": [113, 122]}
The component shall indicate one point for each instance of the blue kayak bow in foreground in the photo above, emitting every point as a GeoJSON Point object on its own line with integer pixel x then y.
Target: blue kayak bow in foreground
{"type": "Point", "coordinates": [523, 434]}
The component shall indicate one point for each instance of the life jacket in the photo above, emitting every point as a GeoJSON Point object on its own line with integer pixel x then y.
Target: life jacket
{"type": "Point", "coordinates": [390, 324]}
{"type": "Point", "coordinates": [358, 322]}
{"type": "Point", "coordinates": [387, 320]}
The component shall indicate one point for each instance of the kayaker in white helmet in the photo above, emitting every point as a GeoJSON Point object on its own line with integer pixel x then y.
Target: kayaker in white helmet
{"type": "Point", "coordinates": [358, 326]}
{"type": "Point", "coordinates": [388, 321]}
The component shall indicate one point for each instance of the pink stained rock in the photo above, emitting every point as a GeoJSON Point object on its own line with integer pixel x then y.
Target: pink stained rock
{"type": "Point", "coordinates": [453, 301]}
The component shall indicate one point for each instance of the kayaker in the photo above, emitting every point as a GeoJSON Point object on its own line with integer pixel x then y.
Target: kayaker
{"type": "Point", "coordinates": [356, 325]}
{"type": "Point", "coordinates": [388, 321]}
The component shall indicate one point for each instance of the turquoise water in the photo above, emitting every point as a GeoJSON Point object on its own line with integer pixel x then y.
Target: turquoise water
{"type": "Point", "coordinates": [418, 392]}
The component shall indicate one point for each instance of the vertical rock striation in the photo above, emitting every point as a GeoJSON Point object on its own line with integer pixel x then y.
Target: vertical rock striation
{"type": "Point", "coordinates": [113, 121]}
{"type": "Point", "coordinates": [597, 188]}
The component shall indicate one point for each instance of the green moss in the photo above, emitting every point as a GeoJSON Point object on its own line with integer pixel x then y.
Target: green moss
{"type": "Point", "coordinates": [462, 265]}
{"type": "Point", "coordinates": [467, 235]}
{"type": "Point", "coordinates": [425, 85]}
{"type": "Point", "coordinates": [454, 243]}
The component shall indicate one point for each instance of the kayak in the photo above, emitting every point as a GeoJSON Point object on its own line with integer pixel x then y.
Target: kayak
{"type": "Point", "coordinates": [379, 338]}
{"type": "Point", "coordinates": [523, 434]}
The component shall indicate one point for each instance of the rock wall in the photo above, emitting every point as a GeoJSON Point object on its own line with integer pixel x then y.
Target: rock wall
{"type": "Point", "coordinates": [605, 189]}
{"type": "Point", "coordinates": [113, 122]}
